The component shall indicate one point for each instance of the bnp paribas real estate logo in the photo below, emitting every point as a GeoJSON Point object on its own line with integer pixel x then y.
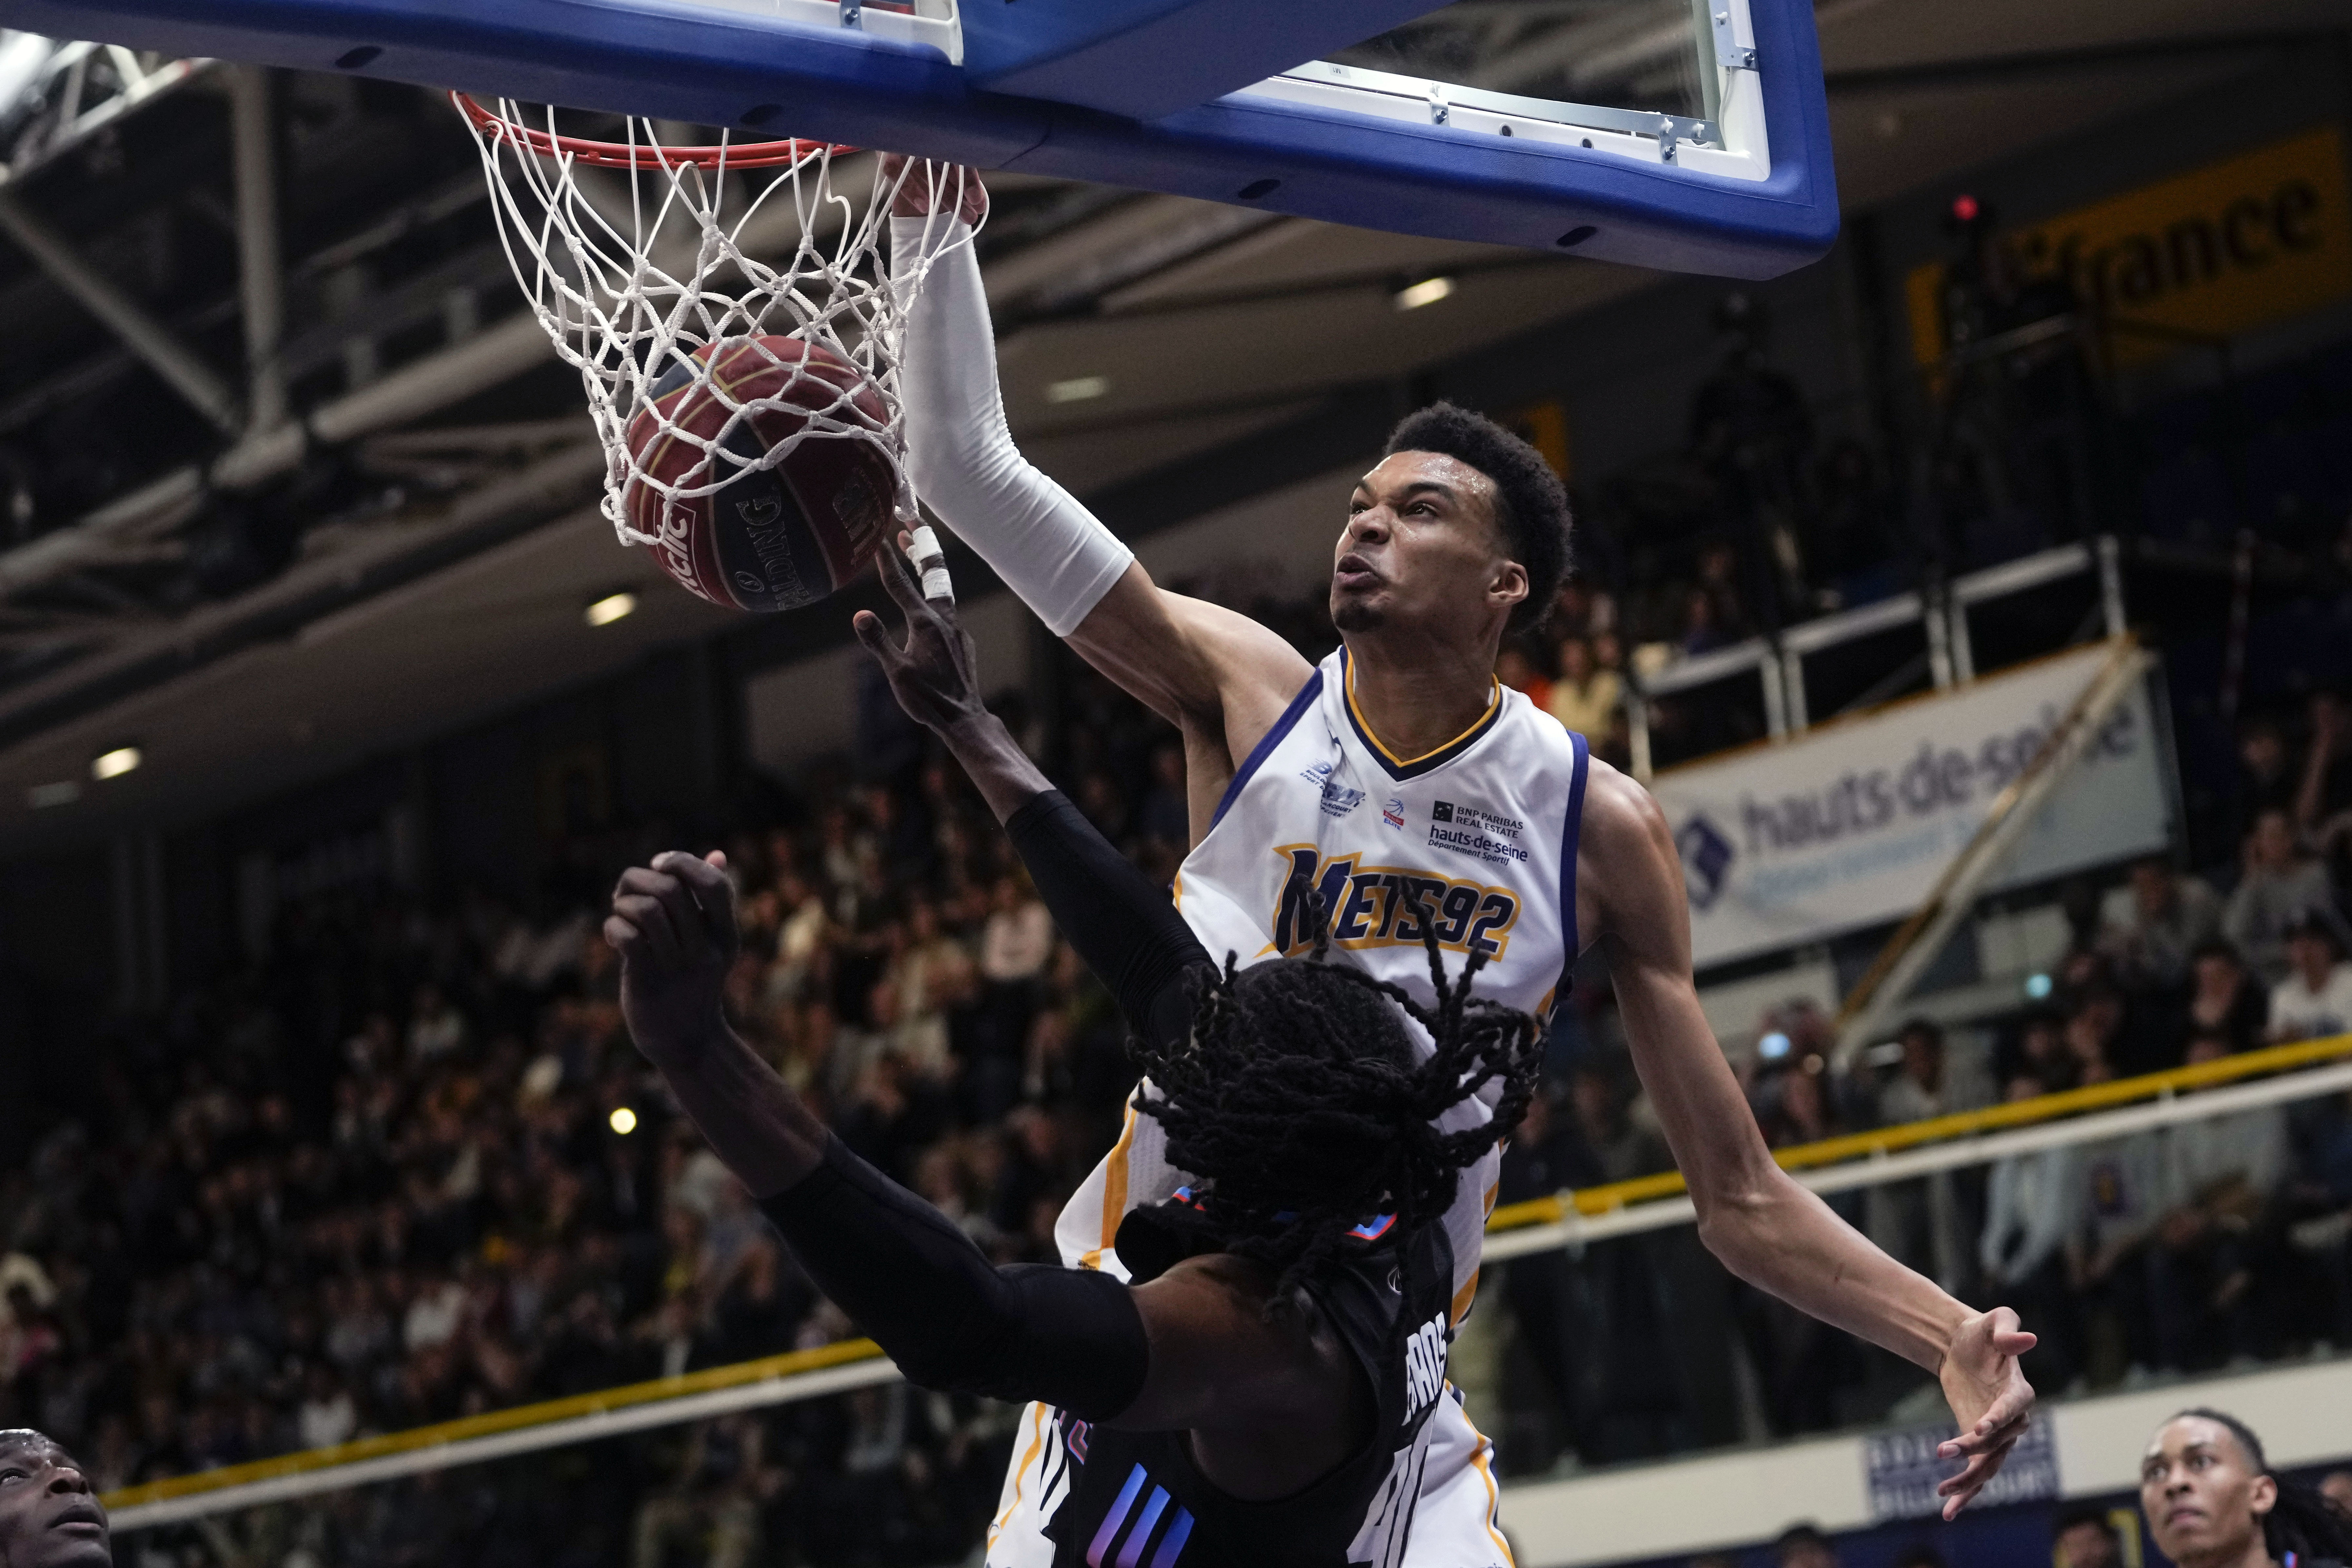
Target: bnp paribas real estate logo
{"type": "Point", "coordinates": [1706, 859]}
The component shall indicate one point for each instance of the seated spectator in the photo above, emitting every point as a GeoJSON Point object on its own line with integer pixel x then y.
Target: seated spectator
{"type": "Point", "coordinates": [2326, 788]}
{"type": "Point", "coordinates": [2153, 924]}
{"type": "Point", "coordinates": [1918, 1221]}
{"type": "Point", "coordinates": [2316, 997]}
{"type": "Point", "coordinates": [1584, 696]}
{"type": "Point", "coordinates": [2335, 1485]}
{"type": "Point", "coordinates": [2223, 999]}
{"type": "Point", "coordinates": [2217, 1179]}
{"type": "Point", "coordinates": [2085, 1538]}
{"type": "Point", "coordinates": [1919, 1554]}
{"type": "Point", "coordinates": [2278, 879]}
{"type": "Point", "coordinates": [2022, 1250]}
{"type": "Point", "coordinates": [2116, 1203]}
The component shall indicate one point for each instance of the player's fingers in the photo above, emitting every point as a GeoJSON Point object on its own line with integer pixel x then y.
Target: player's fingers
{"type": "Point", "coordinates": [713, 894]}
{"type": "Point", "coordinates": [657, 937]}
{"type": "Point", "coordinates": [622, 937]}
{"type": "Point", "coordinates": [900, 579]}
{"type": "Point", "coordinates": [871, 631]}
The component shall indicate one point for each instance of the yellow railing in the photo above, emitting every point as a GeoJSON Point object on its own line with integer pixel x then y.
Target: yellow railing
{"type": "Point", "coordinates": [1538, 1211]}
{"type": "Point", "coordinates": [490, 1422]}
{"type": "Point", "coordinates": [1935, 1128]}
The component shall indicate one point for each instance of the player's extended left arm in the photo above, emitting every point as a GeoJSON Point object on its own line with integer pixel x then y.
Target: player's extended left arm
{"type": "Point", "coordinates": [903, 1272]}
{"type": "Point", "coordinates": [1760, 1222]}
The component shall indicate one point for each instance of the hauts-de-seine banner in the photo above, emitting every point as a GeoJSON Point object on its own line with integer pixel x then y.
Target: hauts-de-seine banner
{"type": "Point", "coordinates": [1849, 824]}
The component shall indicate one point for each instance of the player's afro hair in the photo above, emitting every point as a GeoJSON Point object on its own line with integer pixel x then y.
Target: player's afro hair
{"type": "Point", "coordinates": [1297, 1100]}
{"type": "Point", "coordinates": [1530, 503]}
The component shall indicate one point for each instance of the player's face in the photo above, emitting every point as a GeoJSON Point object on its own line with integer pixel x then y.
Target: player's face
{"type": "Point", "coordinates": [49, 1516]}
{"type": "Point", "coordinates": [2202, 1497]}
{"type": "Point", "coordinates": [1421, 548]}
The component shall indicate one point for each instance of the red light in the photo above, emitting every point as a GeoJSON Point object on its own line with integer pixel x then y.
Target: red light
{"type": "Point", "coordinates": [1965, 208]}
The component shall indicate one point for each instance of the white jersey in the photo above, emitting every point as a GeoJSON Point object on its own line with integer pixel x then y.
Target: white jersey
{"type": "Point", "coordinates": [1479, 839]}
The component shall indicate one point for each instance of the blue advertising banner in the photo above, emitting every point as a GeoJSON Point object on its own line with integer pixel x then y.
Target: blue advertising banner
{"type": "Point", "coordinates": [1851, 824]}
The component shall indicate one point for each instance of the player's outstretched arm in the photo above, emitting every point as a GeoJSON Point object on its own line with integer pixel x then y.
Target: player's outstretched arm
{"type": "Point", "coordinates": [1126, 929]}
{"type": "Point", "coordinates": [1220, 676]}
{"type": "Point", "coordinates": [1765, 1226]}
{"type": "Point", "coordinates": [1193, 1349]}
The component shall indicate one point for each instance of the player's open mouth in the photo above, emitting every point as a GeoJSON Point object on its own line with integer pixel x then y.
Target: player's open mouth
{"type": "Point", "coordinates": [1353, 572]}
{"type": "Point", "coordinates": [86, 1519]}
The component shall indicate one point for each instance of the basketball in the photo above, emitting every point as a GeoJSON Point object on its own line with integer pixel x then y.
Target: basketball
{"type": "Point", "coordinates": [774, 538]}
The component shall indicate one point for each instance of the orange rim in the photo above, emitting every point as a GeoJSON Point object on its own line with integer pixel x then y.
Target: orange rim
{"type": "Point", "coordinates": [625, 155]}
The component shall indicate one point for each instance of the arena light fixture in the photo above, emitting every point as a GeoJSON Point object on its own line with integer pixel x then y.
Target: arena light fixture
{"type": "Point", "coordinates": [611, 607]}
{"type": "Point", "coordinates": [113, 764]}
{"type": "Point", "coordinates": [63, 792]}
{"type": "Point", "coordinates": [624, 1120]}
{"type": "Point", "coordinates": [1078, 389]}
{"type": "Point", "coordinates": [1428, 291]}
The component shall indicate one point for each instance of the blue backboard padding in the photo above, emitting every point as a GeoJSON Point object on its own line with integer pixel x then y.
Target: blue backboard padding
{"type": "Point", "coordinates": [1141, 60]}
{"type": "Point", "coordinates": [682, 61]}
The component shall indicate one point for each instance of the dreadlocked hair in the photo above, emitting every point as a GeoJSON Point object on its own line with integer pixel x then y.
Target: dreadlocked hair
{"type": "Point", "coordinates": [2304, 1526]}
{"type": "Point", "coordinates": [1297, 1100]}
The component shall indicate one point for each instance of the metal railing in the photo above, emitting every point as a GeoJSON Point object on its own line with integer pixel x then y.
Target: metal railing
{"type": "Point", "coordinates": [1777, 664]}
{"type": "Point", "coordinates": [1540, 1225]}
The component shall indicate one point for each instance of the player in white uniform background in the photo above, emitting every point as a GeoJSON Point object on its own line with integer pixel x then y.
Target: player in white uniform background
{"type": "Point", "coordinates": [1408, 786]}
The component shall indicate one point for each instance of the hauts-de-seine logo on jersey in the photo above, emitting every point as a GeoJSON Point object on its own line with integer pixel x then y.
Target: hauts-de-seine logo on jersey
{"type": "Point", "coordinates": [1707, 857]}
{"type": "Point", "coordinates": [1339, 800]}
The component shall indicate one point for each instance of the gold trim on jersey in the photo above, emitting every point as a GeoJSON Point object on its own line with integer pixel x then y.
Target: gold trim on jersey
{"type": "Point", "coordinates": [1372, 739]}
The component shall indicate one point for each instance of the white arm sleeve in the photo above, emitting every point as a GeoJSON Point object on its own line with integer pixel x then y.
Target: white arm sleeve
{"type": "Point", "coordinates": [1051, 551]}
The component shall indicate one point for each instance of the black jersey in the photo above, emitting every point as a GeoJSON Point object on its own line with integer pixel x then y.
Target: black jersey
{"type": "Point", "coordinates": [1135, 1500]}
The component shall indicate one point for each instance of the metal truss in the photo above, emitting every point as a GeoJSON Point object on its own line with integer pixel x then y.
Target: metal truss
{"type": "Point", "coordinates": [80, 90]}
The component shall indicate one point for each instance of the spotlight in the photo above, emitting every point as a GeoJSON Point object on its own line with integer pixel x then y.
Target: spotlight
{"type": "Point", "coordinates": [1078, 389]}
{"type": "Point", "coordinates": [624, 1120]}
{"type": "Point", "coordinates": [1428, 291]}
{"type": "Point", "coordinates": [2038, 987]}
{"type": "Point", "coordinates": [113, 764]}
{"type": "Point", "coordinates": [611, 607]}
{"type": "Point", "coordinates": [1773, 1047]}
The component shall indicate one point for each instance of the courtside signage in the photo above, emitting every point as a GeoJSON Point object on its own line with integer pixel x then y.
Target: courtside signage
{"type": "Point", "coordinates": [1851, 824]}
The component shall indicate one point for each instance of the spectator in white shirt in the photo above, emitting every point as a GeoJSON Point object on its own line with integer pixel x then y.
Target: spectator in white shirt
{"type": "Point", "coordinates": [2316, 997]}
{"type": "Point", "coordinates": [2027, 1213]}
{"type": "Point", "coordinates": [2279, 880]}
{"type": "Point", "coordinates": [2155, 920]}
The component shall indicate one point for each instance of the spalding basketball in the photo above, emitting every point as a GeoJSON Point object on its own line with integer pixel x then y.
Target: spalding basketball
{"type": "Point", "coordinates": [772, 538]}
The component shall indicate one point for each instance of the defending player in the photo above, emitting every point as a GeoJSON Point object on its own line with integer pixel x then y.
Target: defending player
{"type": "Point", "coordinates": [1257, 1394]}
{"type": "Point", "coordinates": [49, 1516]}
{"type": "Point", "coordinates": [1411, 788]}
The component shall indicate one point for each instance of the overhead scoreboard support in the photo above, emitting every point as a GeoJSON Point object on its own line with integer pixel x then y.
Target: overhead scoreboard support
{"type": "Point", "coordinates": [1225, 99]}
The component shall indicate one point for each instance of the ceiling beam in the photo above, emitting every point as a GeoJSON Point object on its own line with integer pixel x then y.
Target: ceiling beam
{"type": "Point", "coordinates": [145, 336]}
{"type": "Point", "coordinates": [1988, 70]}
{"type": "Point", "coordinates": [261, 271]}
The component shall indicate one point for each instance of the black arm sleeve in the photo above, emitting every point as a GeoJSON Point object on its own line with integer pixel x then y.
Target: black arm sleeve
{"type": "Point", "coordinates": [906, 1275]}
{"type": "Point", "coordinates": [1128, 931]}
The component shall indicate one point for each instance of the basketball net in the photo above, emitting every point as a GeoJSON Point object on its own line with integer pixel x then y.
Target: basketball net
{"type": "Point", "coordinates": [636, 255]}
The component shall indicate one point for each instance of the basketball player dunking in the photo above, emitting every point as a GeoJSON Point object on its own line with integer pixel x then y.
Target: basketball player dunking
{"type": "Point", "coordinates": [1408, 786]}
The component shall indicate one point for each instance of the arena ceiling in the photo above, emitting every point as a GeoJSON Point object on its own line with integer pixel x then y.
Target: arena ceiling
{"type": "Point", "coordinates": [388, 531]}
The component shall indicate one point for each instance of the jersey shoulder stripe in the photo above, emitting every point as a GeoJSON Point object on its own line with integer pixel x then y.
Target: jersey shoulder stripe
{"type": "Point", "coordinates": [1569, 838]}
{"type": "Point", "coordinates": [1306, 700]}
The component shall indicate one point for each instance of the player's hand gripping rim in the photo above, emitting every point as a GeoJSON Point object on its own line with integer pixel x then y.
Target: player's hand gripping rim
{"type": "Point", "coordinates": [1990, 1398]}
{"type": "Point", "coordinates": [934, 672]}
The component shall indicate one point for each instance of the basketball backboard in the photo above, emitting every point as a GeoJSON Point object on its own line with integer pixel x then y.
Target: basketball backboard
{"type": "Point", "coordinates": [1684, 135]}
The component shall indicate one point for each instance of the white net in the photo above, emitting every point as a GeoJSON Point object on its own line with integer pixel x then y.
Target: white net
{"type": "Point", "coordinates": [724, 304]}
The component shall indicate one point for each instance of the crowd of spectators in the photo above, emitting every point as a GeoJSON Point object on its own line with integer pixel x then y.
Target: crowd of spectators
{"type": "Point", "coordinates": [407, 1167]}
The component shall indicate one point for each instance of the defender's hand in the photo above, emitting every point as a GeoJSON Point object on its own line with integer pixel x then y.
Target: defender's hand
{"type": "Point", "coordinates": [673, 923]}
{"type": "Point", "coordinates": [922, 187]}
{"type": "Point", "coordinates": [1990, 1398]}
{"type": "Point", "coordinates": [934, 673]}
